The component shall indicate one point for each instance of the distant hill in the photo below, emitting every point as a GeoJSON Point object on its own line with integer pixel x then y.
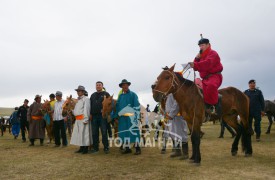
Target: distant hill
{"type": "Point", "coordinates": [6, 111]}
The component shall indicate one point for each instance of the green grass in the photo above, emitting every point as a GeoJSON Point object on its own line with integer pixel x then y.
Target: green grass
{"type": "Point", "coordinates": [18, 161]}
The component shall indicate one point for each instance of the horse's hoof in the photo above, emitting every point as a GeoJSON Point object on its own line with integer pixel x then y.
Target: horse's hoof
{"type": "Point", "coordinates": [234, 153]}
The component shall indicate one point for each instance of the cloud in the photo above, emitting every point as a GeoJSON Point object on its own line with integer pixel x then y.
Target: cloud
{"type": "Point", "coordinates": [51, 45]}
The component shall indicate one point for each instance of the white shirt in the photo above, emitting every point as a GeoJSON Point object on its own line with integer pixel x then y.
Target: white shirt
{"type": "Point", "coordinates": [57, 114]}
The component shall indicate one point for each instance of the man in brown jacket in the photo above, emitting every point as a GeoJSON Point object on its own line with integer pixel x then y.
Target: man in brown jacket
{"type": "Point", "coordinates": [36, 122]}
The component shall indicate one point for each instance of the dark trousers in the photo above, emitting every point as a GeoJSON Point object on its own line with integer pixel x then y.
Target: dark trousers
{"type": "Point", "coordinates": [24, 126]}
{"type": "Point", "coordinates": [109, 130]}
{"type": "Point", "coordinates": [257, 124]}
{"type": "Point", "coordinates": [99, 122]}
{"type": "Point", "coordinates": [59, 128]}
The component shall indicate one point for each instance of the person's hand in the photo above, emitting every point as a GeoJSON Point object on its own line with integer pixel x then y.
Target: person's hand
{"type": "Point", "coordinates": [198, 56]}
{"type": "Point", "coordinates": [263, 113]}
{"type": "Point", "coordinates": [91, 117]}
{"type": "Point", "coordinates": [168, 117]}
{"type": "Point", "coordinates": [191, 64]}
{"type": "Point", "coordinates": [116, 121]}
{"type": "Point", "coordinates": [85, 122]}
{"type": "Point", "coordinates": [65, 119]}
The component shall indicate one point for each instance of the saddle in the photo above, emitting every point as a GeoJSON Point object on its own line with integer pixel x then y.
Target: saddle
{"type": "Point", "coordinates": [218, 106]}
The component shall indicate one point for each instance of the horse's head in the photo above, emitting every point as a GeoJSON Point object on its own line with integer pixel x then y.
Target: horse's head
{"type": "Point", "coordinates": [46, 106]}
{"type": "Point", "coordinates": [164, 84]}
{"type": "Point", "coordinates": [68, 105]}
{"type": "Point", "coordinates": [107, 106]}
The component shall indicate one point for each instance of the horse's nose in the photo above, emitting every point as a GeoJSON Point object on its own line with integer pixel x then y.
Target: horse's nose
{"type": "Point", "coordinates": [153, 86]}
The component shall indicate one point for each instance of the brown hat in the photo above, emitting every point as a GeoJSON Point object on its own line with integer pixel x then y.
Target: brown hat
{"type": "Point", "coordinates": [37, 96]}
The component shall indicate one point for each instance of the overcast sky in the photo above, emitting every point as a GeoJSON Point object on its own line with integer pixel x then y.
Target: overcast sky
{"type": "Point", "coordinates": [47, 46]}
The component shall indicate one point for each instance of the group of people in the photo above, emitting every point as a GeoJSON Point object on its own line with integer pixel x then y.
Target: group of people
{"type": "Point", "coordinates": [89, 119]}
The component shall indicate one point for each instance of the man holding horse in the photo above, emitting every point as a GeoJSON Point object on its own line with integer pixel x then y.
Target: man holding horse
{"type": "Point", "coordinates": [98, 121]}
{"type": "Point", "coordinates": [36, 122]}
{"type": "Point", "coordinates": [82, 135]}
{"type": "Point", "coordinates": [128, 115]}
{"type": "Point", "coordinates": [208, 64]}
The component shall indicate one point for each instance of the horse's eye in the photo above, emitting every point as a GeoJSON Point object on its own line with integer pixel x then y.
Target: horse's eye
{"type": "Point", "coordinates": [167, 77]}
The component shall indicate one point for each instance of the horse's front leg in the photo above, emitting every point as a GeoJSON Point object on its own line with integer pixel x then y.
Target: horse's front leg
{"type": "Point", "coordinates": [196, 140]}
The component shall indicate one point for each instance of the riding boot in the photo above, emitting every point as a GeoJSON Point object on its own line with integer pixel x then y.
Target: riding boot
{"type": "Point", "coordinates": [80, 150]}
{"type": "Point", "coordinates": [127, 151]}
{"type": "Point", "coordinates": [185, 154]}
{"type": "Point", "coordinates": [85, 149]}
{"type": "Point", "coordinates": [32, 142]}
{"type": "Point", "coordinates": [41, 142]}
{"type": "Point", "coordinates": [177, 152]}
{"type": "Point", "coordinates": [138, 150]}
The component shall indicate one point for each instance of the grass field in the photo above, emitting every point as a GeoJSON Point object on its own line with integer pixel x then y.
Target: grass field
{"type": "Point", "coordinates": [18, 161]}
{"type": "Point", "coordinates": [6, 111]}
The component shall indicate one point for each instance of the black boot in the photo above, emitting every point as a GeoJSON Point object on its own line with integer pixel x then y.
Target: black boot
{"type": "Point", "coordinates": [80, 150]}
{"type": "Point", "coordinates": [177, 152]}
{"type": "Point", "coordinates": [32, 142]}
{"type": "Point", "coordinates": [127, 151]}
{"type": "Point", "coordinates": [85, 150]}
{"type": "Point", "coordinates": [138, 151]}
{"type": "Point", "coordinates": [41, 142]}
{"type": "Point", "coordinates": [185, 153]}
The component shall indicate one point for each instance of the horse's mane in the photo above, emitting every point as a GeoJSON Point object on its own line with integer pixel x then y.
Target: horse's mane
{"type": "Point", "coordinates": [186, 82]}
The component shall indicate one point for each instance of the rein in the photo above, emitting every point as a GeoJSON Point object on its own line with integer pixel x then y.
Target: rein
{"type": "Point", "coordinates": [172, 85]}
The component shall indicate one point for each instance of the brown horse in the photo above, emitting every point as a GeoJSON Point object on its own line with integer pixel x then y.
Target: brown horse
{"type": "Point", "coordinates": [108, 106]}
{"type": "Point", "coordinates": [46, 109]}
{"type": "Point", "coordinates": [191, 103]}
{"type": "Point", "coordinates": [68, 107]}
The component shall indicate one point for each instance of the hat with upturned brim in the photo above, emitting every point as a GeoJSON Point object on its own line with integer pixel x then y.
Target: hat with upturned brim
{"type": "Point", "coordinates": [81, 88]}
{"type": "Point", "coordinates": [37, 96]}
{"type": "Point", "coordinates": [124, 81]}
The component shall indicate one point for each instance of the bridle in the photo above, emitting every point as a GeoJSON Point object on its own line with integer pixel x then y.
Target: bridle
{"type": "Point", "coordinates": [172, 84]}
{"type": "Point", "coordinates": [164, 94]}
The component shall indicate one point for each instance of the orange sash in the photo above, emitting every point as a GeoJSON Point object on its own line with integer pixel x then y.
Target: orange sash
{"type": "Point", "coordinates": [37, 117]}
{"type": "Point", "coordinates": [79, 117]}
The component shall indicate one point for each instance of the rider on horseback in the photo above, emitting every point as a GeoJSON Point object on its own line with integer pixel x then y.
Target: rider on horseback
{"type": "Point", "coordinates": [208, 64]}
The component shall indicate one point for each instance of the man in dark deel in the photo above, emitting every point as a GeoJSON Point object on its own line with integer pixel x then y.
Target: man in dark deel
{"type": "Point", "coordinates": [22, 115]}
{"type": "Point", "coordinates": [256, 107]}
{"type": "Point", "coordinates": [97, 119]}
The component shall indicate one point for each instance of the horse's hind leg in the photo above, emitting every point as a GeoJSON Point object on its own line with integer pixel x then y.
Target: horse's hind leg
{"type": "Point", "coordinates": [231, 120]}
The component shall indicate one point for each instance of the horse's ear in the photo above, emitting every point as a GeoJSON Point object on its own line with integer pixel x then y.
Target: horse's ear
{"type": "Point", "coordinates": [172, 68]}
{"type": "Point", "coordinates": [112, 96]}
{"type": "Point", "coordinates": [104, 97]}
{"type": "Point", "coordinates": [70, 96]}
